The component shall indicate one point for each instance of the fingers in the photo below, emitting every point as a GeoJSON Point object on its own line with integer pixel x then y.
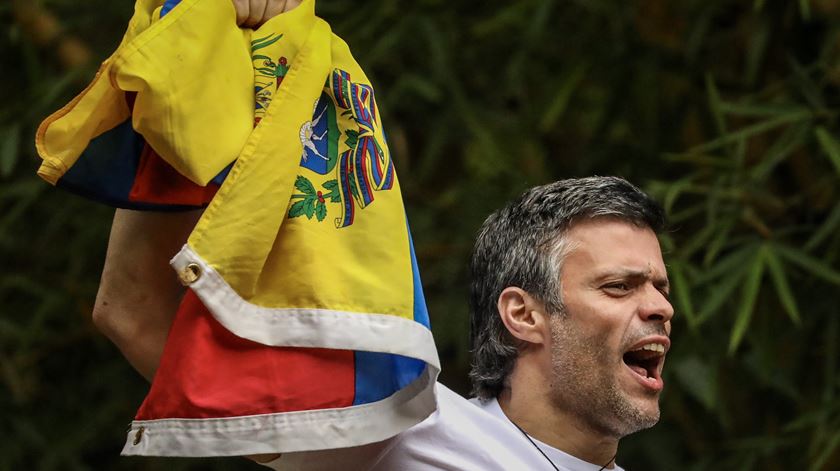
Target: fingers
{"type": "Point", "coordinates": [256, 13]}
{"type": "Point", "coordinates": [274, 8]}
{"type": "Point", "coordinates": [242, 8]}
{"type": "Point", "coordinates": [253, 13]}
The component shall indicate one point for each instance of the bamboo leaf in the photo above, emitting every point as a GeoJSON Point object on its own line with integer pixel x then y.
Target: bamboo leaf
{"type": "Point", "coordinates": [805, 9]}
{"type": "Point", "coordinates": [673, 192]}
{"type": "Point", "coordinates": [682, 294]}
{"type": "Point", "coordinates": [720, 239]}
{"type": "Point", "coordinates": [719, 293]}
{"type": "Point", "coordinates": [777, 274]}
{"type": "Point", "coordinates": [753, 130]}
{"type": "Point", "coordinates": [793, 138]}
{"type": "Point", "coordinates": [560, 102]}
{"type": "Point", "coordinates": [805, 83]}
{"type": "Point", "coordinates": [715, 104]}
{"type": "Point", "coordinates": [699, 380]}
{"type": "Point", "coordinates": [827, 228]}
{"type": "Point", "coordinates": [759, 110]}
{"type": "Point", "coordinates": [748, 297]}
{"type": "Point", "coordinates": [809, 264]}
{"type": "Point", "coordinates": [756, 49]}
{"type": "Point", "coordinates": [729, 264]}
{"type": "Point", "coordinates": [830, 146]}
{"type": "Point", "coordinates": [826, 452]}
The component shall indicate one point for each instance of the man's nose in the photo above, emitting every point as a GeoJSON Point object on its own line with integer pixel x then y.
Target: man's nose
{"type": "Point", "coordinates": [655, 306]}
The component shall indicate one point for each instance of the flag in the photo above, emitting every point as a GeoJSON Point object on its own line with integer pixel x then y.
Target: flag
{"type": "Point", "coordinates": [304, 326]}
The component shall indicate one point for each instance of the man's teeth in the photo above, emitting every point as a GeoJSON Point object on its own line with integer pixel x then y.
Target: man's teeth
{"type": "Point", "coordinates": [653, 347]}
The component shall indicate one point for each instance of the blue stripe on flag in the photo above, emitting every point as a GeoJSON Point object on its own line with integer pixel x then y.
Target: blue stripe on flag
{"type": "Point", "coordinates": [378, 375]}
{"type": "Point", "coordinates": [168, 5]}
{"type": "Point", "coordinates": [421, 313]}
{"type": "Point", "coordinates": [106, 169]}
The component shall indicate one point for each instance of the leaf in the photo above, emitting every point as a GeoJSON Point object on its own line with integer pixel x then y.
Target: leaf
{"type": "Point", "coordinates": [827, 452]}
{"type": "Point", "coordinates": [719, 294]}
{"type": "Point", "coordinates": [333, 194]}
{"type": "Point", "coordinates": [750, 131]}
{"type": "Point", "coordinates": [673, 192]}
{"type": "Point", "coordinates": [9, 149]}
{"type": "Point", "coordinates": [682, 294]}
{"type": "Point", "coordinates": [732, 263]}
{"type": "Point", "coordinates": [805, 9]}
{"type": "Point", "coordinates": [260, 43]}
{"type": "Point", "coordinates": [352, 138]}
{"type": "Point", "coordinates": [698, 380]}
{"type": "Point", "coordinates": [756, 49]}
{"type": "Point", "coordinates": [560, 102]}
{"type": "Point", "coordinates": [777, 274]}
{"type": "Point", "coordinates": [320, 211]}
{"type": "Point", "coordinates": [810, 264]}
{"type": "Point", "coordinates": [759, 110]}
{"type": "Point", "coordinates": [828, 228]}
{"type": "Point", "coordinates": [747, 307]}
{"type": "Point", "coordinates": [714, 247]}
{"type": "Point", "coordinates": [309, 207]}
{"type": "Point", "coordinates": [793, 138]}
{"type": "Point", "coordinates": [304, 185]}
{"type": "Point", "coordinates": [805, 83]}
{"type": "Point", "coordinates": [296, 209]}
{"type": "Point", "coordinates": [715, 104]}
{"type": "Point", "coordinates": [830, 146]}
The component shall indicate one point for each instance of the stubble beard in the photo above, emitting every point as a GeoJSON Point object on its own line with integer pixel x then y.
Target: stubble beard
{"type": "Point", "coordinates": [584, 384]}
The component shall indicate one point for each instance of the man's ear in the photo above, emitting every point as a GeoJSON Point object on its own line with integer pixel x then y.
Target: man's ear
{"type": "Point", "coordinates": [524, 316]}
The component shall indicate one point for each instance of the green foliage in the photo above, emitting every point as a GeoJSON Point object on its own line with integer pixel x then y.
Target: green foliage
{"type": "Point", "coordinates": [726, 111]}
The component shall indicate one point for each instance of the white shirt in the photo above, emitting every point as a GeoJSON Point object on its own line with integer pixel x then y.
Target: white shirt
{"type": "Point", "coordinates": [462, 435]}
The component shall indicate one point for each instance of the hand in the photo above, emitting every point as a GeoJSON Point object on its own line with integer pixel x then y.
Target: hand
{"type": "Point", "coordinates": [253, 13]}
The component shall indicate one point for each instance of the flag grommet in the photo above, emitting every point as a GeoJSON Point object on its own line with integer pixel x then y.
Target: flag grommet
{"type": "Point", "coordinates": [190, 274]}
{"type": "Point", "coordinates": [139, 435]}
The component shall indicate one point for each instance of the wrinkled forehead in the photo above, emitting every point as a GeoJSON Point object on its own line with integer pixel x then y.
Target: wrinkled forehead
{"type": "Point", "coordinates": [610, 244]}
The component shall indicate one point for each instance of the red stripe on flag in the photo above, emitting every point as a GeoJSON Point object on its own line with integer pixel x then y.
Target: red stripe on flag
{"type": "Point", "coordinates": [208, 372]}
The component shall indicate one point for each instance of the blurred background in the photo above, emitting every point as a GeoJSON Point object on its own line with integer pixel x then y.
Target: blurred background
{"type": "Point", "coordinates": [726, 111]}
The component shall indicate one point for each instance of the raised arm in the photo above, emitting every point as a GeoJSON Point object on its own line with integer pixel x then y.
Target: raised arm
{"type": "Point", "coordinates": [139, 292]}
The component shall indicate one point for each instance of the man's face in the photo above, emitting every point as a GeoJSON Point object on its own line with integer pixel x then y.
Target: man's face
{"type": "Point", "coordinates": [608, 347]}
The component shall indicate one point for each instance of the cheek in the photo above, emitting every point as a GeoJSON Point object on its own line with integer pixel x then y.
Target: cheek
{"type": "Point", "coordinates": [599, 325]}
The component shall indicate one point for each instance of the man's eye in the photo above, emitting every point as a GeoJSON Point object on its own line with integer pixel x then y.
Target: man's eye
{"type": "Point", "coordinates": [617, 287]}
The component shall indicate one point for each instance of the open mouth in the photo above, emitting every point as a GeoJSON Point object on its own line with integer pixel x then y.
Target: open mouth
{"type": "Point", "coordinates": [646, 362]}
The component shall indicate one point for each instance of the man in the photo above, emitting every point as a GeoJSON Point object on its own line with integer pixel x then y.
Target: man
{"type": "Point", "coordinates": [570, 322]}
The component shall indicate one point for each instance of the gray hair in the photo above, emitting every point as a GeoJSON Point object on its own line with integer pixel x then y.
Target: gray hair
{"type": "Point", "coordinates": [523, 245]}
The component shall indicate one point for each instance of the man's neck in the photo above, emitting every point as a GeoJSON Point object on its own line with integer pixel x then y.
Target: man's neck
{"type": "Point", "coordinates": [557, 428]}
